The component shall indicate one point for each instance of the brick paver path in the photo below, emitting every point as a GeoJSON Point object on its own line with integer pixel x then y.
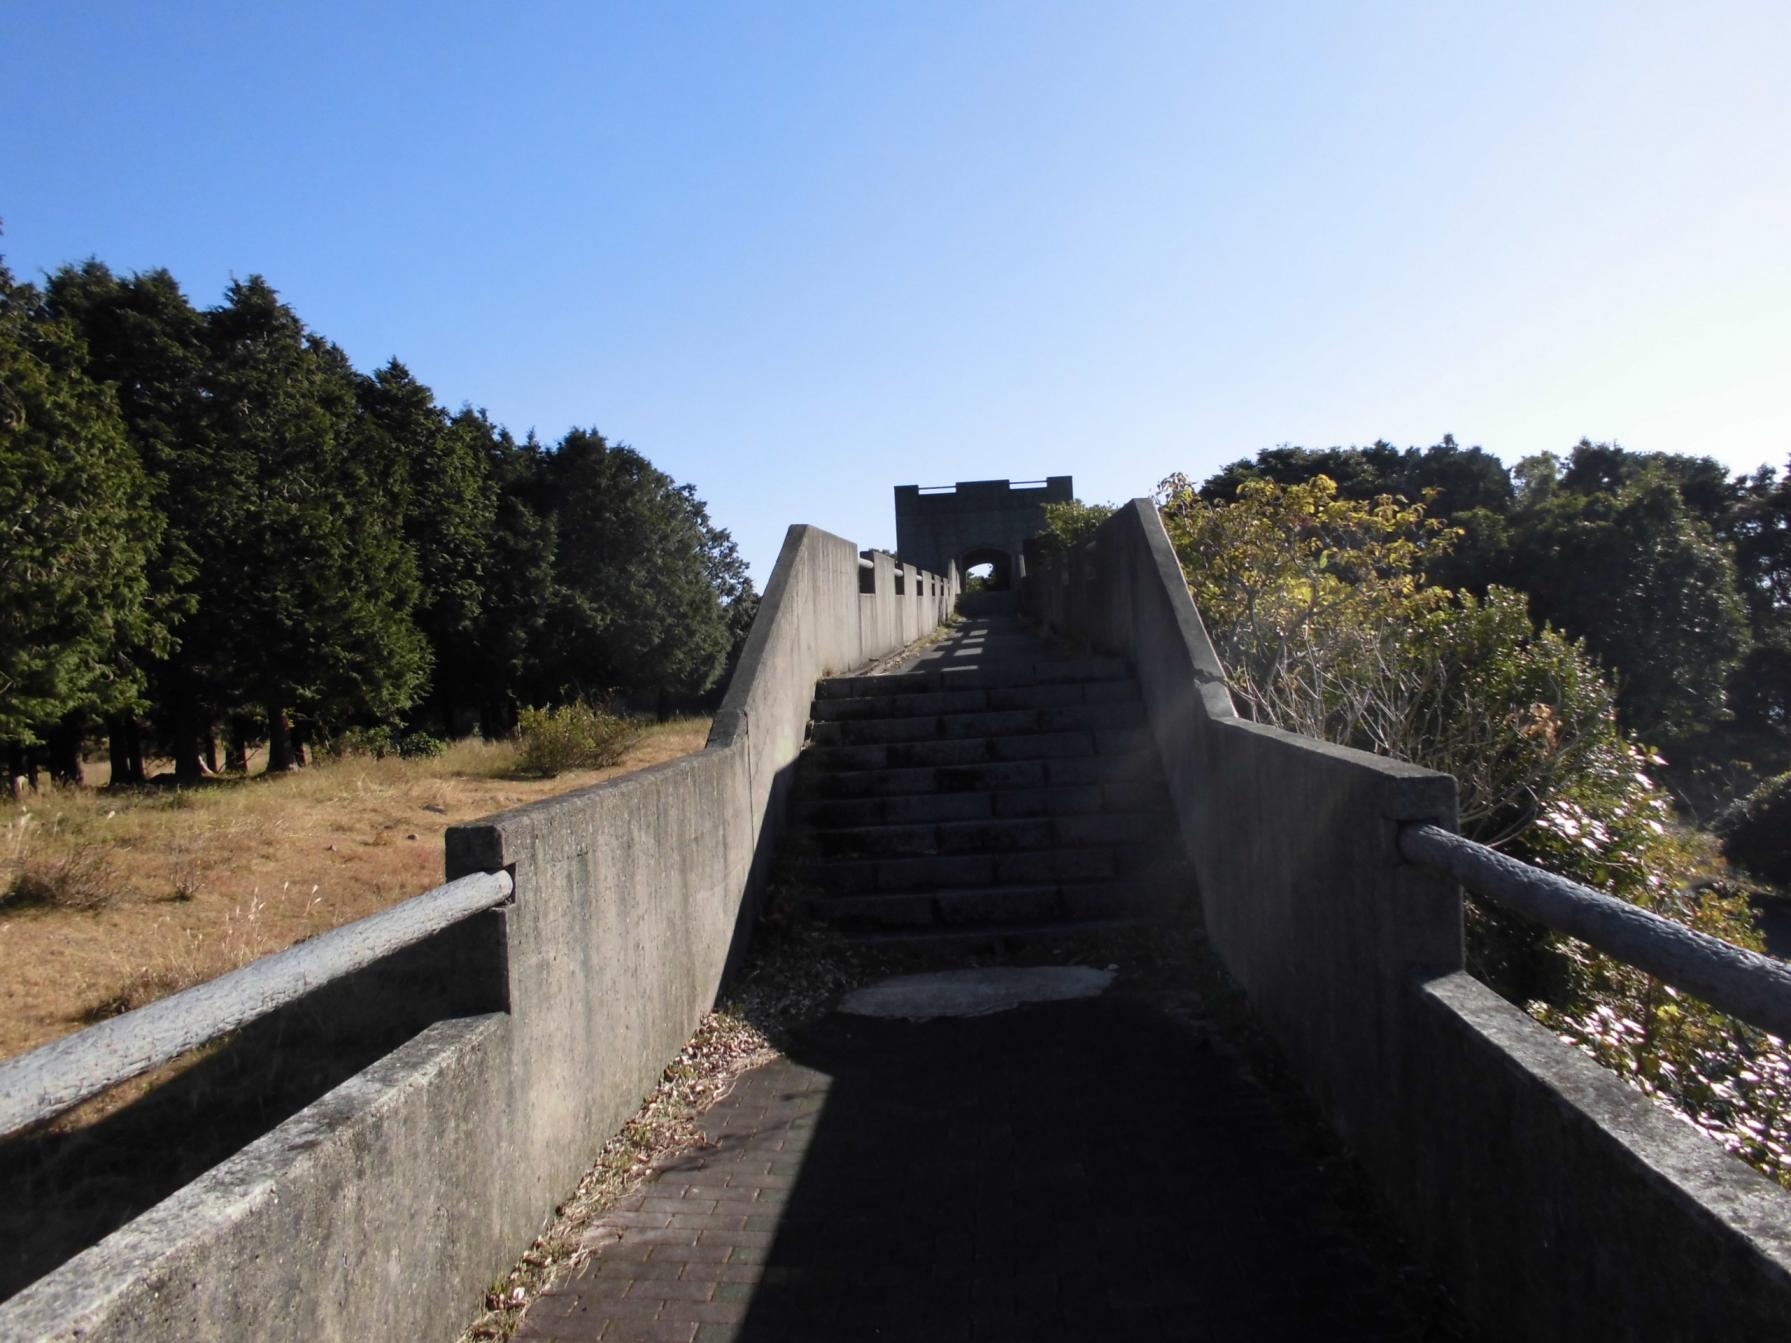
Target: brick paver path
{"type": "Point", "coordinates": [1101, 1169]}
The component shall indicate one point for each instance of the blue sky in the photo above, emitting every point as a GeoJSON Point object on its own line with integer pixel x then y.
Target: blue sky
{"type": "Point", "coordinates": [799, 254]}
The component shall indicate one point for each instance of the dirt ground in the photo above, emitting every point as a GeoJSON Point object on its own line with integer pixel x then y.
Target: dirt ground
{"type": "Point", "coordinates": [188, 883]}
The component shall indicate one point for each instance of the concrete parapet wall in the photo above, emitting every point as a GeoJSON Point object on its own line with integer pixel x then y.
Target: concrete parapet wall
{"type": "Point", "coordinates": [905, 602]}
{"type": "Point", "coordinates": [385, 1209]}
{"type": "Point", "coordinates": [1556, 1202]}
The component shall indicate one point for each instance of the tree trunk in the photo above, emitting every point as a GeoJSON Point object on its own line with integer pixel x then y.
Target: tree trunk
{"type": "Point", "coordinates": [118, 748]}
{"type": "Point", "coordinates": [236, 751]}
{"type": "Point", "coordinates": [65, 752]}
{"type": "Point", "coordinates": [497, 719]}
{"type": "Point", "coordinates": [279, 740]}
{"type": "Point", "coordinates": [133, 736]}
{"type": "Point", "coordinates": [183, 731]}
{"type": "Point", "coordinates": [664, 707]}
{"type": "Point", "coordinates": [209, 738]}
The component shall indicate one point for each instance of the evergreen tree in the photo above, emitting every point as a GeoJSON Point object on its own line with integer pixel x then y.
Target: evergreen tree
{"type": "Point", "coordinates": [509, 639]}
{"type": "Point", "coordinates": [449, 507]}
{"type": "Point", "coordinates": [309, 587]}
{"type": "Point", "coordinates": [80, 536]}
{"type": "Point", "coordinates": [1760, 689]}
{"type": "Point", "coordinates": [634, 609]}
{"type": "Point", "coordinates": [147, 341]}
{"type": "Point", "coordinates": [727, 574]}
{"type": "Point", "coordinates": [1649, 586]}
{"type": "Point", "coordinates": [299, 544]}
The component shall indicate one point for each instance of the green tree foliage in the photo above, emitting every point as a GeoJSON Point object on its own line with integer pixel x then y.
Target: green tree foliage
{"type": "Point", "coordinates": [1068, 523]}
{"type": "Point", "coordinates": [1756, 832]}
{"type": "Point", "coordinates": [1760, 689]}
{"type": "Point", "coordinates": [1645, 580]}
{"type": "Point", "coordinates": [310, 583]}
{"type": "Point", "coordinates": [442, 487]}
{"type": "Point", "coordinates": [1454, 478]}
{"type": "Point", "coordinates": [74, 585]}
{"type": "Point", "coordinates": [726, 573]}
{"type": "Point", "coordinates": [221, 520]}
{"type": "Point", "coordinates": [147, 341]}
{"type": "Point", "coordinates": [635, 606]}
{"type": "Point", "coordinates": [509, 649]}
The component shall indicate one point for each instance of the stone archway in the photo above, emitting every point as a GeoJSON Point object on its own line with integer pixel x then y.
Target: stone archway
{"type": "Point", "coordinates": [1001, 567]}
{"type": "Point", "coordinates": [938, 524]}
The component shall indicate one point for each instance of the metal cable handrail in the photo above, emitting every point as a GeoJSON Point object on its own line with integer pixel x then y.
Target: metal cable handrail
{"type": "Point", "coordinates": [42, 1084]}
{"type": "Point", "coordinates": [1743, 983]}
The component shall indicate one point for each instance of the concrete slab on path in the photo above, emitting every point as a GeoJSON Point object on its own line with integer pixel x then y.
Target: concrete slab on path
{"type": "Point", "coordinates": [1093, 1169]}
{"type": "Point", "coordinates": [975, 992]}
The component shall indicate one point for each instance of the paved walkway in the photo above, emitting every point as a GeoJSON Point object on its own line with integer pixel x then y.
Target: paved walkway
{"type": "Point", "coordinates": [1099, 1169]}
{"type": "Point", "coordinates": [981, 642]}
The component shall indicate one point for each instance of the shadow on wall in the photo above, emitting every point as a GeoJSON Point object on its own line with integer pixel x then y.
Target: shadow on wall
{"type": "Point", "coordinates": [66, 1187]}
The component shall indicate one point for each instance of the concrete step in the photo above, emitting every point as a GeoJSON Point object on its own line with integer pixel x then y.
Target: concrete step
{"type": "Point", "coordinates": [1004, 906]}
{"type": "Point", "coordinates": [950, 837]}
{"type": "Point", "coordinates": [1017, 794]}
{"type": "Point", "coordinates": [1040, 671]}
{"type": "Point", "coordinates": [982, 723]}
{"type": "Point", "coordinates": [931, 703]}
{"type": "Point", "coordinates": [978, 750]}
{"type": "Point", "coordinates": [967, 939]}
{"type": "Point", "coordinates": [910, 809]}
{"type": "Point", "coordinates": [991, 835]}
{"type": "Point", "coordinates": [1137, 767]}
{"type": "Point", "coordinates": [826, 877]}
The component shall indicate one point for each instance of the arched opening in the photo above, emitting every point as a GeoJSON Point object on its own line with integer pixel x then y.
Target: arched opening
{"type": "Point", "coordinates": [986, 569]}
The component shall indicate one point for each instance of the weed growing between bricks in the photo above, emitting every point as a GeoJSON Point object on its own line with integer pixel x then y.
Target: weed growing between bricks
{"type": "Point", "coordinates": [795, 972]}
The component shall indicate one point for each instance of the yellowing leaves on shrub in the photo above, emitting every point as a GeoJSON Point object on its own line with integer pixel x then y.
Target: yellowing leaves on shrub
{"type": "Point", "coordinates": [1301, 591]}
{"type": "Point", "coordinates": [1319, 610]}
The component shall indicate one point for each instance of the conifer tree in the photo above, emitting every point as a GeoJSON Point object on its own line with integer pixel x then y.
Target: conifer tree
{"type": "Point", "coordinates": [635, 608]}
{"type": "Point", "coordinates": [79, 536]}
{"type": "Point", "coordinates": [310, 586]}
{"type": "Point", "coordinates": [449, 507]}
{"type": "Point", "coordinates": [147, 341]}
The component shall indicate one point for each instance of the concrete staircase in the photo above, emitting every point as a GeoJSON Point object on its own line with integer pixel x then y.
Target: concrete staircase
{"type": "Point", "coordinates": [996, 788]}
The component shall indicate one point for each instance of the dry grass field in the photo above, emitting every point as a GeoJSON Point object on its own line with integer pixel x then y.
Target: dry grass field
{"type": "Point", "coordinates": [110, 900]}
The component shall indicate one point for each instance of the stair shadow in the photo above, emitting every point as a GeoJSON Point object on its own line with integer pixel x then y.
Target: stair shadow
{"type": "Point", "coordinates": [1082, 1170]}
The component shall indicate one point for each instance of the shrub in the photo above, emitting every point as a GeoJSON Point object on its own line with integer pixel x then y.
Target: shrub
{"type": "Point", "coordinates": [76, 878]}
{"type": "Point", "coordinates": [380, 742]}
{"type": "Point", "coordinates": [374, 741]}
{"type": "Point", "coordinates": [573, 736]}
{"type": "Point", "coordinates": [1068, 524]}
{"type": "Point", "coordinates": [1756, 832]}
{"type": "Point", "coordinates": [420, 746]}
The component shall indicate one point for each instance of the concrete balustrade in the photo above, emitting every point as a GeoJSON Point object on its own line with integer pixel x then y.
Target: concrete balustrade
{"type": "Point", "coordinates": [1555, 1201]}
{"type": "Point", "coordinates": [384, 1210]}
